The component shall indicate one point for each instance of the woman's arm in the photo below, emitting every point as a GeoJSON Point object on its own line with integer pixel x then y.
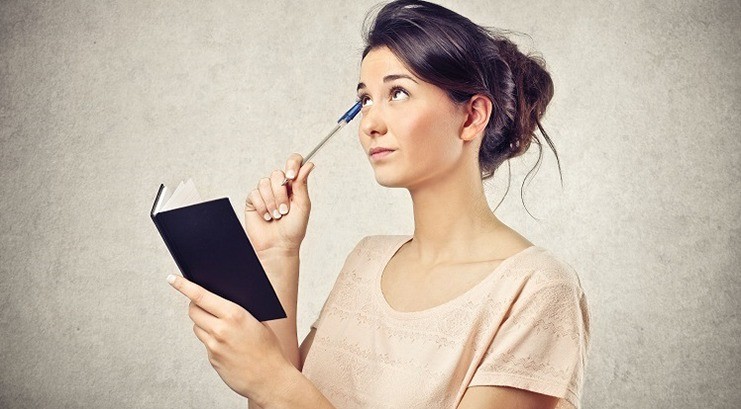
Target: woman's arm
{"type": "Point", "coordinates": [304, 350]}
{"type": "Point", "coordinates": [282, 270]}
{"type": "Point", "coordinates": [299, 393]}
{"type": "Point", "coordinates": [483, 397]}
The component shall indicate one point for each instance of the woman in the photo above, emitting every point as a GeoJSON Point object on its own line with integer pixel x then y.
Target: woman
{"type": "Point", "coordinates": [465, 312]}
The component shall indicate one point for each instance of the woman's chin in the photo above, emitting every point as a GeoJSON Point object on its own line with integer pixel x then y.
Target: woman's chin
{"type": "Point", "coordinates": [387, 176]}
{"type": "Point", "coordinates": [387, 181]}
{"type": "Point", "coordinates": [384, 184]}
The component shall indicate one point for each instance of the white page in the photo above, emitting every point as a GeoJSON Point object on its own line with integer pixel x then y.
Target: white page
{"type": "Point", "coordinates": [174, 197]}
{"type": "Point", "coordinates": [185, 195]}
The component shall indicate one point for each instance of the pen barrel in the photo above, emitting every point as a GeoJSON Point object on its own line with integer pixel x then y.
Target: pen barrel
{"type": "Point", "coordinates": [334, 130]}
{"type": "Point", "coordinates": [347, 117]}
{"type": "Point", "coordinates": [326, 138]}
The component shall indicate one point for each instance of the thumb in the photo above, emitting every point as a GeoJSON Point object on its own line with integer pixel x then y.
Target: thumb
{"type": "Point", "coordinates": [299, 185]}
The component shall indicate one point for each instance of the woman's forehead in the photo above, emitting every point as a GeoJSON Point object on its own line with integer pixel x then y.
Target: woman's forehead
{"type": "Point", "coordinates": [380, 62]}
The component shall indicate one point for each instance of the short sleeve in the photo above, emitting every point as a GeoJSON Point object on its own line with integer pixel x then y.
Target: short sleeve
{"type": "Point", "coordinates": [542, 344]}
{"type": "Point", "coordinates": [350, 259]}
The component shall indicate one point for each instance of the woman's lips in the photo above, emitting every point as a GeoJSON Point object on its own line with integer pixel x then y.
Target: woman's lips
{"type": "Point", "coordinates": [381, 155]}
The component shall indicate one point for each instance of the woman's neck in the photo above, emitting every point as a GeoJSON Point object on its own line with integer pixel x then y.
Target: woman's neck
{"type": "Point", "coordinates": [452, 219]}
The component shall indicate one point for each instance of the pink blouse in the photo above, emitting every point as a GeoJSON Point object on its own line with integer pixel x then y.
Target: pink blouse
{"type": "Point", "coordinates": [525, 325]}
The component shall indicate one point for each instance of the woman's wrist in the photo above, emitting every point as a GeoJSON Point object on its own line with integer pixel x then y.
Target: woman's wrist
{"type": "Point", "coordinates": [277, 254]}
{"type": "Point", "coordinates": [282, 267]}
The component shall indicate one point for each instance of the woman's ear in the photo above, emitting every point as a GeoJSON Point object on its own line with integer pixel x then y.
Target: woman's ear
{"type": "Point", "coordinates": [478, 108]}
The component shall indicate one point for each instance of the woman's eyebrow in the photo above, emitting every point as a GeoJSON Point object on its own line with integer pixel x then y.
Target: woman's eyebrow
{"type": "Point", "coordinates": [388, 78]}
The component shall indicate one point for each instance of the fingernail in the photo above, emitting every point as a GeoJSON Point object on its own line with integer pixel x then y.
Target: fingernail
{"type": "Point", "coordinates": [283, 208]}
{"type": "Point", "coordinates": [290, 174]}
{"type": "Point", "coordinates": [276, 214]}
{"type": "Point", "coordinates": [171, 279]}
{"type": "Point", "coordinates": [266, 216]}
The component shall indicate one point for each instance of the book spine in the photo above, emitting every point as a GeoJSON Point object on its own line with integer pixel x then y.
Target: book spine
{"type": "Point", "coordinates": [157, 200]}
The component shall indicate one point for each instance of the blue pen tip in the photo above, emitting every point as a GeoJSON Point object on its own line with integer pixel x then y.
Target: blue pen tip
{"type": "Point", "coordinates": [350, 114]}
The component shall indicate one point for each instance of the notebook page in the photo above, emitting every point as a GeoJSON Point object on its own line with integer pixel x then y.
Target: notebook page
{"type": "Point", "coordinates": [185, 195]}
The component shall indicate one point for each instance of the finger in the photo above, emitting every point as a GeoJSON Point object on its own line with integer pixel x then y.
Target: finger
{"type": "Point", "coordinates": [202, 318]}
{"type": "Point", "coordinates": [303, 173]}
{"type": "Point", "coordinates": [202, 335]}
{"type": "Point", "coordinates": [255, 203]}
{"type": "Point", "coordinates": [212, 303]}
{"type": "Point", "coordinates": [293, 164]}
{"type": "Point", "coordinates": [300, 184]}
{"type": "Point", "coordinates": [279, 192]}
{"type": "Point", "coordinates": [266, 192]}
{"type": "Point", "coordinates": [207, 340]}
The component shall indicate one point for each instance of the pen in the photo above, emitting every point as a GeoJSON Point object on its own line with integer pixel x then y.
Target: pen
{"type": "Point", "coordinates": [344, 119]}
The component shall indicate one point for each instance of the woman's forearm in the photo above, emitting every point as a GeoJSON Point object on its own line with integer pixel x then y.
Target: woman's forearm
{"type": "Point", "coordinates": [252, 405]}
{"type": "Point", "coordinates": [295, 391]}
{"type": "Point", "coordinates": [282, 270]}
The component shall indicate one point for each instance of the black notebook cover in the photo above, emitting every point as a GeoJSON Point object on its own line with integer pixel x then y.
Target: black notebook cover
{"type": "Point", "coordinates": [211, 249]}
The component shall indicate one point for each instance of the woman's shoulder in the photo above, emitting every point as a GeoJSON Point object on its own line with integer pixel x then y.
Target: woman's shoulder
{"type": "Point", "coordinates": [381, 242]}
{"type": "Point", "coordinates": [534, 266]}
{"type": "Point", "coordinates": [531, 265]}
{"type": "Point", "coordinates": [370, 247]}
{"type": "Point", "coordinates": [539, 266]}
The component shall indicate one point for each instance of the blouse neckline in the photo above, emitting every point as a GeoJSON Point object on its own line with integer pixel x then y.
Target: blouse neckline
{"type": "Point", "coordinates": [387, 309]}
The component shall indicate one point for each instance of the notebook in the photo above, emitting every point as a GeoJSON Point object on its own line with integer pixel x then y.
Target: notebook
{"type": "Point", "coordinates": [211, 248]}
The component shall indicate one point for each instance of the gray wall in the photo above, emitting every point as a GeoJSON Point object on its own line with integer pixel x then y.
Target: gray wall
{"type": "Point", "coordinates": [101, 102]}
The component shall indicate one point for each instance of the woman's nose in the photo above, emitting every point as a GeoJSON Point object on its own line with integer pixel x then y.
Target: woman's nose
{"type": "Point", "coordinates": [371, 122]}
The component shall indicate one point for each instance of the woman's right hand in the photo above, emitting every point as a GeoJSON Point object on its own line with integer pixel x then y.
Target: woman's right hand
{"type": "Point", "coordinates": [283, 231]}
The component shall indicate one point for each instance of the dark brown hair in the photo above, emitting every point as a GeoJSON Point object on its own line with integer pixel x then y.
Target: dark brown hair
{"type": "Point", "coordinates": [450, 51]}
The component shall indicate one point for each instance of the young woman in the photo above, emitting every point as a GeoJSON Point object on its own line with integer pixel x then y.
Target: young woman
{"type": "Point", "coordinates": [465, 312]}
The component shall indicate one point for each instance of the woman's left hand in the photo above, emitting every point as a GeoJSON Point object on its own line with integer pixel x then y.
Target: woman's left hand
{"type": "Point", "coordinates": [245, 353]}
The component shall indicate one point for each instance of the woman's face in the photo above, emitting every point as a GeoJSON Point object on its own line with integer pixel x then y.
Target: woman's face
{"type": "Point", "coordinates": [414, 118]}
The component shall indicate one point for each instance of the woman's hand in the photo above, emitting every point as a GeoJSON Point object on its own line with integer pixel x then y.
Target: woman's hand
{"type": "Point", "coordinates": [276, 216]}
{"type": "Point", "coordinates": [244, 351]}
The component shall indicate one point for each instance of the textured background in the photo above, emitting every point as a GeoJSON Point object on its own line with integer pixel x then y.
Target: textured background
{"type": "Point", "coordinates": [100, 102]}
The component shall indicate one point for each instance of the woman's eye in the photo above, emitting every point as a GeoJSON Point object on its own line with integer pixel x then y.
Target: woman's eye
{"type": "Point", "coordinates": [396, 92]}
